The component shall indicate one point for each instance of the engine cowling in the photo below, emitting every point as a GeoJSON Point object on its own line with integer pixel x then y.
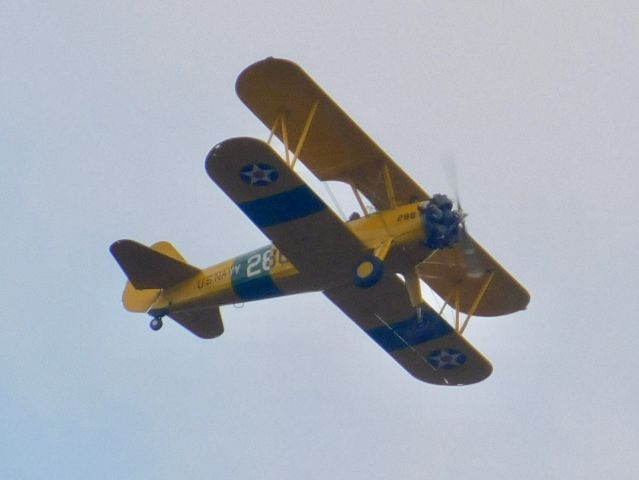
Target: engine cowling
{"type": "Point", "coordinates": [441, 222]}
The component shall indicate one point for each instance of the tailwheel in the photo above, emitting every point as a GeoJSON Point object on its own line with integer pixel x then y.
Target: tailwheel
{"type": "Point", "coordinates": [156, 323]}
{"type": "Point", "coordinates": [368, 272]}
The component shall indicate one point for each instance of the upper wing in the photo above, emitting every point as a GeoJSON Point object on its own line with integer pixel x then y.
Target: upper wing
{"type": "Point", "coordinates": [335, 148]}
{"type": "Point", "coordinates": [427, 347]}
{"type": "Point", "coordinates": [447, 272]}
{"type": "Point", "coordinates": [289, 213]}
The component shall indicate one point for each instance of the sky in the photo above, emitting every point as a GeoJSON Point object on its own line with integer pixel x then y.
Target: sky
{"type": "Point", "coordinates": [107, 112]}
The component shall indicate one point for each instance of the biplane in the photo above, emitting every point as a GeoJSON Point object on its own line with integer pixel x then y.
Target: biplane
{"type": "Point", "coordinates": [371, 266]}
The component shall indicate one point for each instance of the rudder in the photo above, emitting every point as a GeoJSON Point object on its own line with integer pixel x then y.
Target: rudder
{"type": "Point", "coordinates": [135, 300]}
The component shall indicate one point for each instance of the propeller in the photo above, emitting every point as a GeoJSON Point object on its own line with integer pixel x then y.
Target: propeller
{"type": "Point", "coordinates": [439, 212]}
{"type": "Point", "coordinates": [471, 258]}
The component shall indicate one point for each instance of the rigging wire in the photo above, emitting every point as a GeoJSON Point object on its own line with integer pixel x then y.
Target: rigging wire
{"type": "Point", "coordinates": [334, 200]}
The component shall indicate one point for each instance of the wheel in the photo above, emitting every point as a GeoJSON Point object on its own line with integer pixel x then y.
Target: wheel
{"type": "Point", "coordinates": [368, 272]}
{"type": "Point", "coordinates": [156, 324]}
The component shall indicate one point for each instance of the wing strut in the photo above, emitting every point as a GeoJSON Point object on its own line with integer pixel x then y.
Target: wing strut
{"type": "Point", "coordinates": [477, 301]}
{"type": "Point", "coordinates": [285, 137]}
{"type": "Point", "coordinates": [280, 121]}
{"type": "Point", "coordinates": [274, 128]}
{"type": "Point", "coordinates": [307, 126]}
{"type": "Point", "coordinates": [455, 296]}
{"type": "Point", "coordinates": [389, 187]}
{"type": "Point", "coordinates": [359, 199]}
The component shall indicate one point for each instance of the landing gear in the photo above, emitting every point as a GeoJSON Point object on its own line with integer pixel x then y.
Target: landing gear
{"type": "Point", "coordinates": [368, 272]}
{"type": "Point", "coordinates": [414, 292]}
{"type": "Point", "coordinates": [156, 324]}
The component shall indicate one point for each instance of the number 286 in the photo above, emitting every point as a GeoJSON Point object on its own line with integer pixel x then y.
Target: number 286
{"type": "Point", "coordinates": [263, 262]}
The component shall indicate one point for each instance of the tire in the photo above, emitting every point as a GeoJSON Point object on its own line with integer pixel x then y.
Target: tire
{"type": "Point", "coordinates": [155, 324]}
{"type": "Point", "coordinates": [368, 272]}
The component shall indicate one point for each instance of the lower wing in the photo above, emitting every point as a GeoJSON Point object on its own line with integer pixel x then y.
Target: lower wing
{"type": "Point", "coordinates": [425, 344]}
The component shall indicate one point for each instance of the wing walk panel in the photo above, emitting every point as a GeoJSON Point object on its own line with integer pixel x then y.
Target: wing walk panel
{"type": "Point", "coordinates": [428, 347]}
{"type": "Point", "coordinates": [287, 211]}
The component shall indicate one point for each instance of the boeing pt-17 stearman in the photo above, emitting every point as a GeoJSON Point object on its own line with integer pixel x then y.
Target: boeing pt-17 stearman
{"type": "Point", "coordinates": [369, 266]}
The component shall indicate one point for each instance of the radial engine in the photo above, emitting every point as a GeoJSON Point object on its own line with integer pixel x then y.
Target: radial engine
{"type": "Point", "coordinates": [441, 222]}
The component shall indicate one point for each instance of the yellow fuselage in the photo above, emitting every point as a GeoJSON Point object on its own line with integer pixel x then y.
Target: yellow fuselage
{"type": "Point", "coordinates": [266, 273]}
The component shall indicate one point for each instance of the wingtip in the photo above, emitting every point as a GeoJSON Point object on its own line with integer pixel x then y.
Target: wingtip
{"type": "Point", "coordinates": [262, 69]}
{"type": "Point", "coordinates": [117, 245]}
{"type": "Point", "coordinates": [220, 151]}
{"type": "Point", "coordinates": [248, 147]}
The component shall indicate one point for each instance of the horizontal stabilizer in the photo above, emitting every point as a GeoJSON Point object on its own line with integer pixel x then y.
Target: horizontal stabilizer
{"type": "Point", "coordinates": [205, 322]}
{"type": "Point", "coordinates": [153, 267]}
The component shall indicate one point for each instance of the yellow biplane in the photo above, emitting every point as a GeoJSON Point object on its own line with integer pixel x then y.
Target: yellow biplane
{"type": "Point", "coordinates": [369, 266]}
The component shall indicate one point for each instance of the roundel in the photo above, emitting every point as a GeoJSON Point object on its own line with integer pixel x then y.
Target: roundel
{"type": "Point", "coordinates": [258, 174]}
{"type": "Point", "coordinates": [446, 358]}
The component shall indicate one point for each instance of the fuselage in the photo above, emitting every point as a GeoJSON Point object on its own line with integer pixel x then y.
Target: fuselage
{"type": "Point", "coordinates": [266, 273]}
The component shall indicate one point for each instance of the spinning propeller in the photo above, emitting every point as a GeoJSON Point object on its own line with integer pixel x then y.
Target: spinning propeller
{"type": "Point", "coordinates": [474, 268]}
{"type": "Point", "coordinates": [473, 263]}
{"type": "Point", "coordinates": [445, 222]}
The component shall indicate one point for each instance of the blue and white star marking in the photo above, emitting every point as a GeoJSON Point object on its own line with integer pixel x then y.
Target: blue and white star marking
{"type": "Point", "coordinates": [258, 174]}
{"type": "Point", "coordinates": [446, 358]}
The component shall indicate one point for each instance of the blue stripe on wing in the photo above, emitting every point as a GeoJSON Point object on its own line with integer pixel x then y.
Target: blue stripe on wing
{"type": "Point", "coordinates": [283, 207]}
{"type": "Point", "coordinates": [410, 332]}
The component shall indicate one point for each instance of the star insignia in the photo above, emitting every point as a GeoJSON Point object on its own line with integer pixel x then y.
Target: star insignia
{"type": "Point", "coordinates": [446, 358]}
{"type": "Point", "coordinates": [258, 174]}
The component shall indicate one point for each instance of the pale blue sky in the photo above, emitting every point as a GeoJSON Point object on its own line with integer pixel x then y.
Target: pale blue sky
{"type": "Point", "coordinates": [107, 112]}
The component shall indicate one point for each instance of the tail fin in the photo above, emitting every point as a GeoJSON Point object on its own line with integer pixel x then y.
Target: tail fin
{"type": "Point", "coordinates": [149, 270]}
